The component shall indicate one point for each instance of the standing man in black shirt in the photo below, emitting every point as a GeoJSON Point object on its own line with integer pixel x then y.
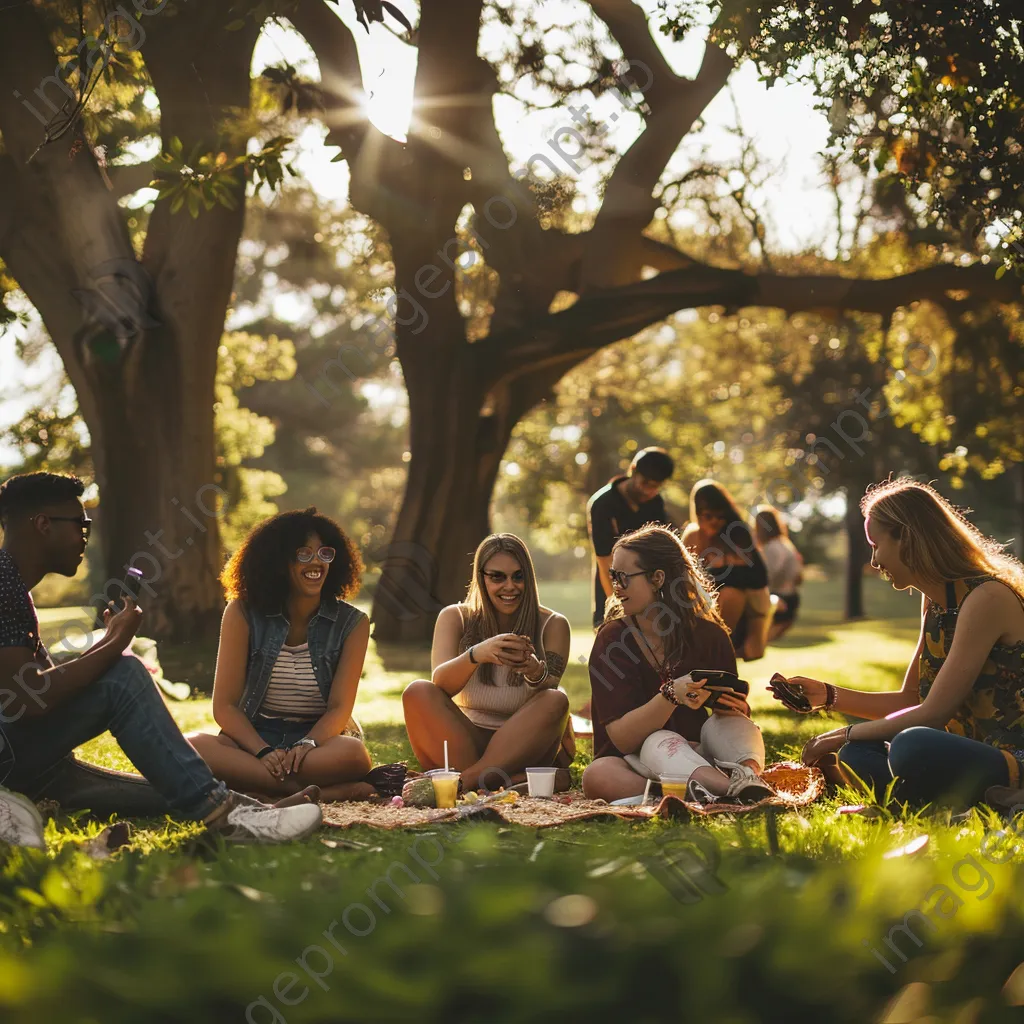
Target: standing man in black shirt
{"type": "Point", "coordinates": [625, 503]}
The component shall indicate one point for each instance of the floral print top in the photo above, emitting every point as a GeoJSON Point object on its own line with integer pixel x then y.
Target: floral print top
{"type": "Point", "coordinates": [994, 709]}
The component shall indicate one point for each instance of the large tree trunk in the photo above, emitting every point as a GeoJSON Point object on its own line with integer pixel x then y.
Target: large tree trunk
{"type": "Point", "coordinates": [857, 555]}
{"type": "Point", "coordinates": [139, 339]}
{"type": "Point", "coordinates": [455, 453]}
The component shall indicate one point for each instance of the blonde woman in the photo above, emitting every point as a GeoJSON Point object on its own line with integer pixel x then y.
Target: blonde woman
{"type": "Point", "coordinates": [662, 625]}
{"type": "Point", "coordinates": [496, 662]}
{"type": "Point", "coordinates": [956, 727]}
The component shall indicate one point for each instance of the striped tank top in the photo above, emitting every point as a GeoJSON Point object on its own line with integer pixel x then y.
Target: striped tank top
{"type": "Point", "coordinates": [293, 691]}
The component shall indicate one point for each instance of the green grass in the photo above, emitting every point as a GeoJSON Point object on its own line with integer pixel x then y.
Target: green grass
{"type": "Point", "coordinates": [516, 925]}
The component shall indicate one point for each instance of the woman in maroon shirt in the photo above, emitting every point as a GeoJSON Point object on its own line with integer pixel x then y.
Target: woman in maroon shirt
{"type": "Point", "coordinates": [661, 624]}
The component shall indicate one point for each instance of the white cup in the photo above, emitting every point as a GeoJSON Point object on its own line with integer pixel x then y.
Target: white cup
{"type": "Point", "coordinates": [541, 782]}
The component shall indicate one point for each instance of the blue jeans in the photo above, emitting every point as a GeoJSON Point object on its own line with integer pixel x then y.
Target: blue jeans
{"type": "Point", "coordinates": [126, 701]}
{"type": "Point", "coordinates": [930, 765]}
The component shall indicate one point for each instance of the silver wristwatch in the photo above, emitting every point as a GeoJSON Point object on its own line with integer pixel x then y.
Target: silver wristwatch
{"type": "Point", "coordinates": [306, 741]}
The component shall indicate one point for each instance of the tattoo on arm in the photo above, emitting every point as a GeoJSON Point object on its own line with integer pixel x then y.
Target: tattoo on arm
{"type": "Point", "coordinates": [556, 664]}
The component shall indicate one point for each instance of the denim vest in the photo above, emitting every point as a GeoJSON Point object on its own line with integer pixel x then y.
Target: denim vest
{"type": "Point", "coordinates": [328, 630]}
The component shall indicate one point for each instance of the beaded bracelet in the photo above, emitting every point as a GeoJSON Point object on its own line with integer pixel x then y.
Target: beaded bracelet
{"type": "Point", "coordinates": [668, 691]}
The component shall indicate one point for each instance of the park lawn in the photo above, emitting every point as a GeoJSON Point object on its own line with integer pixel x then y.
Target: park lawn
{"type": "Point", "coordinates": [484, 922]}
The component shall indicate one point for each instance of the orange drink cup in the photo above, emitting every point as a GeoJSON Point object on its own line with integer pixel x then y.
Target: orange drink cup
{"type": "Point", "coordinates": [674, 785]}
{"type": "Point", "coordinates": [446, 788]}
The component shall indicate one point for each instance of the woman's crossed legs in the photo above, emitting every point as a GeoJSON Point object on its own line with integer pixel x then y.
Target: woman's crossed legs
{"type": "Point", "coordinates": [722, 738]}
{"type": "Point", "coordinates": [335, 766]}
{"type": "Point", "coordinates": [485, 758]}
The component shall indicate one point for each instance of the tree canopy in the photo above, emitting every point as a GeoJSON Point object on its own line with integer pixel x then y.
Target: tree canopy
{"type": "Point", "coordinates": [497, 282]}
{"type": "Point", "coordinates": [931, 92]}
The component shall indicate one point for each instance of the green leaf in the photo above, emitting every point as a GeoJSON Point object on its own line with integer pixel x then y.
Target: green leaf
{"type": "Point", "coordinates": [234, 26]}
{"type": "Point", "coordinates": [176, 203]}
{"type": "Point", "coordinates": [31, 896]}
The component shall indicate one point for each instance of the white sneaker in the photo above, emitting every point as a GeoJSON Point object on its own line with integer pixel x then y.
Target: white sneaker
{"type": "Point", "coordinates": [745, 785]}
{"type": "Point", "coordinates": [21, 824]}
{"type": "Point", "coordinates": [245, 823]}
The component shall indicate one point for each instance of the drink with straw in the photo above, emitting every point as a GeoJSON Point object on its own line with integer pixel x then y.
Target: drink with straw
{"type": "Point", "coordinates": [446, 788]}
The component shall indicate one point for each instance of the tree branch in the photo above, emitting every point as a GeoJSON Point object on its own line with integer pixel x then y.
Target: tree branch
{"type": "Point", "coordinates": [612, 256]}
{"type": "Point", "coordinates": [601, 318]}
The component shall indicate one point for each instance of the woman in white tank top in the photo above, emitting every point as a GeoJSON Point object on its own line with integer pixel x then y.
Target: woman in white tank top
{"type": "Point", "coordinates": [496, 662]}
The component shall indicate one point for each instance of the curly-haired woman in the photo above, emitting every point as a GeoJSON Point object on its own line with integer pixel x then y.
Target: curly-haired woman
{"type": "Point", "coordinates": [290, 657]}
{"type": "Point", "coordinates": [662, 624]}
{"type": "Point", "coordinates": [496, 662]}
{"type": "Point", "coordinates": [956, 727]}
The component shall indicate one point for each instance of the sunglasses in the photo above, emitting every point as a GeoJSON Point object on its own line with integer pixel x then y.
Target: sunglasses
{"type": "Point", "coordinates": [621, 579]}
{"type": "Point", "coordinates": [500, 577]}
{"type": "Point", "coordinates": [84, 522]}
{"type": "Point", "coordinates": [325, 554]}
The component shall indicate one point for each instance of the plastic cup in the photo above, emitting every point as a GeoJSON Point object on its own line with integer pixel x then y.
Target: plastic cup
{"type": "Point", "coordinates": [541, 782]}
{"type": "Point", "coordinates": [674, 785]}
{"type": "Point", "coordinates": [446, 787]}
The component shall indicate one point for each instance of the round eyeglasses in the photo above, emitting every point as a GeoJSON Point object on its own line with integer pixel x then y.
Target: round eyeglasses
{"type": "Point", "coordinates": [621, 579]}
{"type": "Point", "coordinates": [325, 554]}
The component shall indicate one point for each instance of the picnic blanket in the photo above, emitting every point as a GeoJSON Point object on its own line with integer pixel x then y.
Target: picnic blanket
{"type": "Point", "coordinates": [796, 785]}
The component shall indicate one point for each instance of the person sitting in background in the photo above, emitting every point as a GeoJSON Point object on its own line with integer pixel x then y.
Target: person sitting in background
{"type": "Point", "coordinates": [954, 731]}
{"type": "Point", "coordinates": [288, 666]}
{"type": "Point", "coordinates": [718, 534]}
{"type": "Point", "coordinates": [496, 662]}
{"type": "Point", "coordinates": [48, 711]}
{"type": "Point", "coordinates": [785, 567]}
{"type": "Point", "coordinates": [624, 504]}
{"type": "Point", "coordinates": [662, 625]}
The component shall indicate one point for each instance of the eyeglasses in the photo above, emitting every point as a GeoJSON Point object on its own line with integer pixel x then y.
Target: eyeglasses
{"type": "Point", "coordinates": [325, 554]}
{"type": "Point", "coordinates": [621, 579]}
{"type": "Point", "coordinates": [84, 522]}
{"type": "Point", "coordinates": [500, 577]}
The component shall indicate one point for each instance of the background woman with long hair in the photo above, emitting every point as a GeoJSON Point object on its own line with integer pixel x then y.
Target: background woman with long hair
{"type": "Point", "coordinates": [956, 727]}
{"type": "Point", "coordinates": [718, 534]}
{"type": "Point", "coordinates": [496, 662]}
{"type": "Point", "coordinates": [662, 624]}
{"type": "Point", "coordinates": [288, 665]}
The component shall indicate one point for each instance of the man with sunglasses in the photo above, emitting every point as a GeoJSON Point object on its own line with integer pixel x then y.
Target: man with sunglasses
{"type": "Point", "coordinates": [46, 712]}
{"type": "Point", "coordinates": [625, 504]}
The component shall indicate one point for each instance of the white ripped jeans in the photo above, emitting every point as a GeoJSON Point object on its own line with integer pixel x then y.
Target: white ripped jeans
{"type": "Point", "coordinates": [722, 737]}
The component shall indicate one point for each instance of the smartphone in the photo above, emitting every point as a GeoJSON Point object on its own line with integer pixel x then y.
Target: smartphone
{"type": "Point", "coordinates": [130, 585]}
{"type": "Point", "coordinates": [715, 682]}
{"type": "Point", "coordinates": [719, 679]}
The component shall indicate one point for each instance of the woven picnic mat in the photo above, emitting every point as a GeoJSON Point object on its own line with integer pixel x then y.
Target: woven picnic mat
{"type": "Point", "coordinates": [796, 785]}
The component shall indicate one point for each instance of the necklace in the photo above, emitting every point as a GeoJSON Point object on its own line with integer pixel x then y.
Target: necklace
{"type": "Point", "coordinates": [659, 663]}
